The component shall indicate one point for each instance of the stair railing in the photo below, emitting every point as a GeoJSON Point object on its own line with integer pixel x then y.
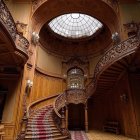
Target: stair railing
{"type": "Point", "coordinates": [112, 55]}
{"type": "Point", "coordinates": [59, 119]}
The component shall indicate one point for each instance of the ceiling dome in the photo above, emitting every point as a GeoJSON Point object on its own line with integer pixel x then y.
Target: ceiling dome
{"type": "Point", "coordinates": [75, 25]}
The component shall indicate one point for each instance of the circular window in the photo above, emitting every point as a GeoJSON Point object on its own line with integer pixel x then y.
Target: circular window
{"type": "Point", "coordinates": [75, 25]}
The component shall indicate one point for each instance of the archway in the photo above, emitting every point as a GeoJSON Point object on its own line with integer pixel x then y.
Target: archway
{"type": "Point", "coordinates": [76, 117]}
{"type": "Point", "coordinates": [63, 7]}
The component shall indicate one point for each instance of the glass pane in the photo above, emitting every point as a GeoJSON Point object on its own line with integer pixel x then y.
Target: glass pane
{"type": "Point", "coordinates": [75, 25]}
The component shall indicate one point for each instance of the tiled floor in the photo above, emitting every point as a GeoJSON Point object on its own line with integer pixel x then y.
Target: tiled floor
{"type": "Point", "coordinates": [97, 135]}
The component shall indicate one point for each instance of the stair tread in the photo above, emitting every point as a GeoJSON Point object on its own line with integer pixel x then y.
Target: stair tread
{"type": "Point", "coordinates": [42, 126]}
{"type": "Point", "coordinates": [43, 132]}
{"type": "Point", "coordinates": [56, 138]}
{"type": "Point", "coordinates": [40, 136]}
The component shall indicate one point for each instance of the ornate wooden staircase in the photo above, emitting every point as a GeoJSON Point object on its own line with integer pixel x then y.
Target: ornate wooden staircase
{"type": "Point", "coordinates": [49, 123]}
{"type": "Point", "coordinates": [108, 70]}
{"type": "Point", "coordinates": [41, 125]}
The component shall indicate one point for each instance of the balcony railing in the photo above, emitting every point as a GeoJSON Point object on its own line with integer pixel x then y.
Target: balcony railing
{"type": "Point", "coordinates": [7, 21]}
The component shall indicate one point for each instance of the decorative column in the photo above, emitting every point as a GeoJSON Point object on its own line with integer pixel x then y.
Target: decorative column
{"type": "Point", "coordinates": [63, 125]}
{"type": "Point", "coordinates": [86, 118]}
{"type": "Point", "coordinates": [67, 116]}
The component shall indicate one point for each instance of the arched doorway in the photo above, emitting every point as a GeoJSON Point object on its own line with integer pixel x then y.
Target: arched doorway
{"type": "Point", "coordinates": [76, 117]}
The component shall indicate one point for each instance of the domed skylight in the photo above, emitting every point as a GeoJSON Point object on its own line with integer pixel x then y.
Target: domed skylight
{"type": "Point", "coordinates": [75, 25]}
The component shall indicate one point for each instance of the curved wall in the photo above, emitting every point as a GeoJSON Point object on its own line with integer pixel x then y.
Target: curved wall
{"type": "Point", "coordinates": [45, 86]}
{"type": "Point", "coordinates": [49, 63]}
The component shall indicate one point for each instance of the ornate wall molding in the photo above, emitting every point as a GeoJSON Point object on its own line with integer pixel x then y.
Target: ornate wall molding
{"type": "Point", "coordinates": [36, 4]}
{"type": "Point", "coordinates": [22, 43]}
{"type": "Point", "coordinates": [76, 96]}
{"type": "Point", "coordinates": [21, 28]}
{"type": "Point", "coordinates": [112, 3]}
{"type": "Point", "coordinates": [80, 62]}
{"type": "Point", "coordinates": [48, 74]}
{"type": "Point", "coordinates": [131, 28]}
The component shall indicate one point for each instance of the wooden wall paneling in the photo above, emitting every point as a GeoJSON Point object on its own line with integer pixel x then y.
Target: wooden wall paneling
{"type": "Point", "coordinates": [9, 131]}
{"type": "Point", "coordinates": [18, 107]}
{"type": "Point", "coordinates": [134, 80]}
{"type": "Point", "coordinates": [109, 106]}
{"type": "Point", "coordinates": [128, 113]}
{"type": "Point", "coordinates": [45, 86]}
{"type": "Point", "coordinates": [11, 113]}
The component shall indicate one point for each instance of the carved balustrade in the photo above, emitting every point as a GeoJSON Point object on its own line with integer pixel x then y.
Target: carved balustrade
{"type": "Point", "coordinates": [58, 118]}
{"type": "Point", "coordinates": [114, 54]}
{"type": "Point", "coordinates": [59, 103]}
{"type": "Point", "coordinates": [37, 3]}
{"type": "Point", "coordinates": [7, 21]}
{"type": "Point", "coordinates": [76, 96]}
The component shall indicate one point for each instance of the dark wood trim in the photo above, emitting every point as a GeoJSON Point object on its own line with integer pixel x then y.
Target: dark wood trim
{"type": "Point", "coordinates": [45, 73]}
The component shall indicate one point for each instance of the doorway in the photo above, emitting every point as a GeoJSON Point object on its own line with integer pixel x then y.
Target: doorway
{"type": "Point", "coordinates": [76, 117]}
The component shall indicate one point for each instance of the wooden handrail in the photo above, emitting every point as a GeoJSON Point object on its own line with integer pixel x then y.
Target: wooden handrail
{"type": "Point", "coordinates": [112, 55]}
{"type": "Point", "coordinates": [39, 101]}
{"type": "Point", "coordinates": [57, 106]}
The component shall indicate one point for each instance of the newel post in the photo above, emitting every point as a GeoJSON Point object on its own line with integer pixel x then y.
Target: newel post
{"type": "Point", "coordinates": [86, 118]}
{"type": "Point", "coordinates": [63, 126]}
{"type": "Point", "coordinates": [67, 116]}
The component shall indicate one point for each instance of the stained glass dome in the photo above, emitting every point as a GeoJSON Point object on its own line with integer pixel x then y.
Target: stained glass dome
{"type": "Point", "coordinates": [75, 25]}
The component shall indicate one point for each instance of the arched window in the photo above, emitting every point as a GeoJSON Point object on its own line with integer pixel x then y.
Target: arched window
{"type": "Point", "coordinates": [75, 78]}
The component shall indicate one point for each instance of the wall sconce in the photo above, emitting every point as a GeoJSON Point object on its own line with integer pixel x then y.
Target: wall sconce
{"type": "Point", "coordinates": [124, 98]}
{"type": "Point", "coordinates": [116, 38]}
{"type": "Point", "coordinates": [35, 38]}
{"type": "Point", "coordinates": [64, 76]}
{"type": "Point", "coordinates": [29, 85]}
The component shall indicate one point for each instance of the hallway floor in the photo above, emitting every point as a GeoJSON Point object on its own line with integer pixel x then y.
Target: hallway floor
{"type": "Point", "coordinates": [98, 135]}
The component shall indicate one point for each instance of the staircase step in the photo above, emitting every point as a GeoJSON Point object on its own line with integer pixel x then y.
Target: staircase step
{"type": "Point", "coordinates": [34, 121]}
{"type": "Point", "coordinates": [40, 123]}
{"type": "Point", "coordinates": [41, 129]}
{"type": "Point", "coordinates": [43, 116]}
{"type": "Point", "coordinates": [42, 132]}
{"type": "Point", "coordinates": [41, 126]}
{"type": "Point", "coordinates": [57, 138]}
{"type": "Point", "coordinates": [43, 136]}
